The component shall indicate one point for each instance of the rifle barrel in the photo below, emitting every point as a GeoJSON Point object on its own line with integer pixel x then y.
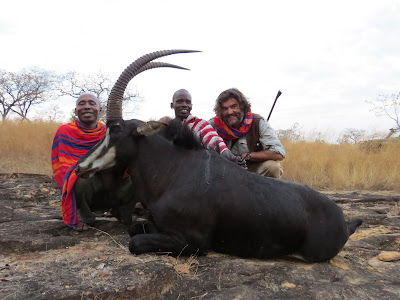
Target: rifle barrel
{"type": "Point", "coordinates": [276, 98]}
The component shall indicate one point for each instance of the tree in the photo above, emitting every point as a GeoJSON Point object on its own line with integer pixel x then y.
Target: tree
{"type": "Point", "coordinates": [51, 113]}
{"type": "Point", "coordinates": [74, 84]}
{"type": "Point", "coordinates": [352, 136]}
{"type": "Point", "coordinates": [20, 91]}
{"type": "Point", "coordinates": [388, 105]}
{"type": "Point", "coordinates": [292, 134]}
{"type": "Point", "coordinates": [6, 102]}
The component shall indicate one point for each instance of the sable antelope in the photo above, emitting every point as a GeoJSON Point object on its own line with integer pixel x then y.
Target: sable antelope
{"type": "Point", "coordinates": [199, 201]}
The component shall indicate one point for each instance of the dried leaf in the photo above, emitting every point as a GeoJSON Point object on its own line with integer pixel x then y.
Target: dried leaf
{"type": "Point", "coordinates": [288, 285]}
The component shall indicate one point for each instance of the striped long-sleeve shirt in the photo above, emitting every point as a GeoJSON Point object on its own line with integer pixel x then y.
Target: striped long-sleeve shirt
{"type": "Point", "coordinates": [206, 133]}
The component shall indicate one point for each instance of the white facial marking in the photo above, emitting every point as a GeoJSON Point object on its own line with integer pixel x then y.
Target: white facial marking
{"type": "Point", "coordinates": [104, 162]}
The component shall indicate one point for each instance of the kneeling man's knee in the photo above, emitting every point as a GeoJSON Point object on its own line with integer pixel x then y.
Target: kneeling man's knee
{"type": "Point", "coordinates": [270, 168]}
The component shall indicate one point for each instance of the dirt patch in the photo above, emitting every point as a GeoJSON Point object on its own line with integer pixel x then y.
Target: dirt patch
{"type": "Point", "coordinates": [40, 258]}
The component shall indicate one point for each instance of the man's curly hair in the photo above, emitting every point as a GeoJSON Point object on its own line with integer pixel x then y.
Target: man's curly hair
{"type": "Point", "coordinates": [234, 93]}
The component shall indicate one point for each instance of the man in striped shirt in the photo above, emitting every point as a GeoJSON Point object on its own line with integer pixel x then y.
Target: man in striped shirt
{"type": "Point", "coordinates": [182, 105]}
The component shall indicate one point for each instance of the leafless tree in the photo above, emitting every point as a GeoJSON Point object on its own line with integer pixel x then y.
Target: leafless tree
{"type": "Point", "coordinates": [388, 105]}
{"type": "Point", "coordinates": [74, 84]}
{"type": "Point", "coordinates": [21, 90]}
{"type": "Point", "coordinates": [7, 102]}
{"type": "Point", "coordinates": [352, 136]}
{"type": "Point", "coordinates": [292, 134]}
{"type": "Point", "coordinates": [51, 113]}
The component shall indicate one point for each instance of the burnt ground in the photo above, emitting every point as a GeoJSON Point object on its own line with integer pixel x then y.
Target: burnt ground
{"type": "Point", "coordinates": [40, 258]}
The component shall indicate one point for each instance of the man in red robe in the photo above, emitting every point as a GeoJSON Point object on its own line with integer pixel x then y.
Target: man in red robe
{"type": "Point", "coordinates": [80, 197]}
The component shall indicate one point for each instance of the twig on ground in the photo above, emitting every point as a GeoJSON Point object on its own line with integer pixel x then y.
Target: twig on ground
{"type": "Point", "coordinates": [119, 244]}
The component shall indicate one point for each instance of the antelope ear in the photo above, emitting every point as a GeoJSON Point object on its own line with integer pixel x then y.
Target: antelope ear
{"type": "Point", "coordinates": [150, 128]}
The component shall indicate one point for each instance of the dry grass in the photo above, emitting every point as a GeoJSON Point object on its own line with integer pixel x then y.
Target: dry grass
{"type": "Point", "coordinates": [184, 266]}
{"type": "Point", "coordinates": [25, 148]}
{"type": "Point", "coordinates": [343, 167]}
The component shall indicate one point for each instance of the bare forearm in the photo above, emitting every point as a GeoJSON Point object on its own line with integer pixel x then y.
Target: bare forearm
{"type": "Point", "coordinates": [263, 156]}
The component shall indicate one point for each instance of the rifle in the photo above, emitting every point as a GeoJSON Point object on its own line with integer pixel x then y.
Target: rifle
{"type": "Point", "coordinates": [277, 96]}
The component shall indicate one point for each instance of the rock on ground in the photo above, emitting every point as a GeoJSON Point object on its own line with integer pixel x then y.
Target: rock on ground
{"type": "Point", "coordinates": [40, 258]}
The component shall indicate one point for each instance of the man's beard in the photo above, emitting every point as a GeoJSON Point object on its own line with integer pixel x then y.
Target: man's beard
{"type": "Point", "coordinates": [239, 116]}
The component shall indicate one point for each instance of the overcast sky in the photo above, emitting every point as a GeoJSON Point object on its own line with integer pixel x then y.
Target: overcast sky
{"type": "Point", "coordinates": [327, 57]}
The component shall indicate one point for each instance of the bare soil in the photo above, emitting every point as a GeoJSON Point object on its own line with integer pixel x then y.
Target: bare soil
{"type": "Point", "coordinates": [41, 258]}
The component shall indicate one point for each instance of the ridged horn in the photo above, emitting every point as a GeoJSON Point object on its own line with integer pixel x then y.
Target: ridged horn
{"type": "Point", "coordinates": [114, 103]}
{"type": "Point", "coordinates": [156, 64]}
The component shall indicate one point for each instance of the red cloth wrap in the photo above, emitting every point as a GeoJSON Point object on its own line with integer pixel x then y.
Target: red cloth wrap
{"type": "Point", "coordinates": [229, 133]}
{"type": "Point", "coordinates": [70, 143]}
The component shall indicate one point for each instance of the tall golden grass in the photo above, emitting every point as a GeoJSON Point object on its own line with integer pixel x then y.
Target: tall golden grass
{"type": "Point", "coordinates": [344, 166]}
{"type": "Point", "coordinates": [25, 148]}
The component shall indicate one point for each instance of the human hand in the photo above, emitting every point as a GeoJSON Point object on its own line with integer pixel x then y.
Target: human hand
{"type": "Point", "coordinates": [241, 162]}
{"type": "Point", "coordinates": [234, 158]}
{"type": "Point", "coordinates": [246, 156]}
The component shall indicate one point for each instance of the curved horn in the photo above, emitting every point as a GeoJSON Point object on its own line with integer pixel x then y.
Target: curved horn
{"type": "Point", "coordinates": [156, 64]}
{"type": "Point", "coordinates": [114, 103]}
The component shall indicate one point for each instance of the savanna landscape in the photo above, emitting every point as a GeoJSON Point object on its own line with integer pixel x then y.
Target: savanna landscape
{"type": "Point", "coordinates": [338, 66]}
{"type": "Point", "coordinates": [41, 258]}
{"type": "Point", "coordinates": [25, 148]}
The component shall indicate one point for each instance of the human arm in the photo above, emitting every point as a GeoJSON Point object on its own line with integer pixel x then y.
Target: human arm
{"type": "Point", "coordinates": [228, 154]}
{"type": "Point", "coordinates": [211, 122]}
{"type": "Point", "coordinates": [234, 158]}
{"type": "Point", "coordinates": [57, 164]}
{"type": "Point", "coordinates": [206, 134]}
{"type": "Point", "coordinates": [55, 161]}
{"type": "Point", "coordinates": [262, 155]}
{"type": "Point", "coordinates": [211, 140]}
{"type": "Point", "coordinates": [272, 147]}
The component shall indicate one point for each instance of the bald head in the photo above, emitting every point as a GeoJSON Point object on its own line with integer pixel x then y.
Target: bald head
{"type": "Point", "coordinates": [181, 93]}
{"type": "Point", "coordinates": [182, 104]}
{"type": "Point", "coordinates": [88, 95]}
{"type": "Point", "coordinates": [87, 109]}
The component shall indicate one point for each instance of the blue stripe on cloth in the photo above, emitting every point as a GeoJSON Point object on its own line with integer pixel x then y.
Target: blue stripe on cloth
{"type": "Point", "coordinates": [55, 145]}
{"type": "Point", "coordinates": [67, 174]}
{"type": "Point", "coordinates": [69, 154]}
{"type": "Point", "coordinates": [65, 137]}
{"type": "Point", "coordinates": [68, 143]}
